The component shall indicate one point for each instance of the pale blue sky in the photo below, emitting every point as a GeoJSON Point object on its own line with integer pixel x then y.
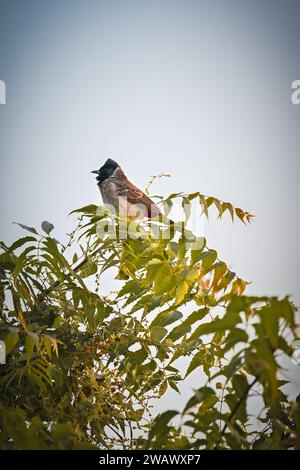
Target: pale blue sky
{"type": "Point", "coordinates": [198, 89]}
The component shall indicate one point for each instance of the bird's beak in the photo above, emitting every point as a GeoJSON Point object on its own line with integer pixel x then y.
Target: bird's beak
{"type": "Point", "coordinates": [96, 171]}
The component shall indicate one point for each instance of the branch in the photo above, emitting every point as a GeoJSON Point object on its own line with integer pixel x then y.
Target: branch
{"type": "Point", "coordinates": [236, 407]}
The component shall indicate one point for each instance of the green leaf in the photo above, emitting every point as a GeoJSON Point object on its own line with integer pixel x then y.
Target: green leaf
{"type": "Point", "coordinates": [158, 333]}
{"type": "Point", "coordinates": [159, 427]}
{"type": "Point", "coordinates": [197, 249]}
{"type": "Point", "coordinates": [240, 386]}
{"type": "Point", "coordinates": [23, 260]}
{"type": "Point", "coordinates": [25, 227]}
{"type": "Point", "coordinates": [163, 388]}
{"type": "Point", "coordinates": [187, 208]}
{"type": "Point", "coordinates": [218, 205]}
{"type": "Point", "coordinates": [185, 326]}
{"type": "Point", "coordinates": [203, 204]}
{"type": "Point", "coordinates": [89, 209]}
{"type": "Point", "coordinates": [153, 268]}
{"type": "Point", "coordinates": [178, 332]}
{"type": "Point", "coordinates": [240, 214]}
{"type": "Point", "coordinates": [220, 269]}
{"type": "Point", "coordinates": [208, 259]}
{"type": "Point", "coordinates": [89, 268]}
{"type": "Point", "coordinates": [174, 386]}
{"type": "Point", "coordinates": [130, 286]}
{"type": "Point", "coordinates": [197, 361]}
{"type": "Point", "coordinates": [200, 395]}
{"type": "Point", "coordinates": [226, 323]}
{"type": "Point", "coordinates": [167, 206]}
{"type": "Point", "coordinates": [229, 207]}
{"type": "Point", "coordinates": [21, 242]}
{"type": "Point", "coordinates": [61, 431]}
{"type": "Point", "coordinates": [181, 292]}
{"type": "Point", "coordinates": [11, 340]}
{"type": "Point", "coordinates": [31, 340]}
{"type": "Point", "coordinates": [7, 261]}
{"type": "Point", "coordinates": [50, 343]}
{"type": "Point", "coordinates": [166, 318]}
{"type": "Point", "coordinates": [235, 336]}
{"type": "Point", "coordinates": [192, 275]}
{"type": "Point", "coordinates": [195, 316]}
{"type": "Point", "coordinates": [231, 368]}
{"type": "Point", "coordinates": [47, 227]}
{"type": "Point", "coordinates": [270, 316]}
{"type": "Point", "coordinates": [164, 280]}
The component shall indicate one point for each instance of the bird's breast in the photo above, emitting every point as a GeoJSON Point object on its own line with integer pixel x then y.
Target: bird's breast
{"type": "Point", "coordinates": [109, 192]}
{"type": "Point", "coordinates": [114, 195]}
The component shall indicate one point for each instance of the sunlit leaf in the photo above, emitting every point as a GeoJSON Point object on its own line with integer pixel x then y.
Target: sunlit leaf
{"type": "Point", "coordinates": [181, 292]}
{"type": "Point", "coordinates": [158, 333]}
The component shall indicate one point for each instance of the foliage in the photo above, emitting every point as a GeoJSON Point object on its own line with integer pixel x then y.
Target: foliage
{"type": "Point", "coordinates": [84, 367]}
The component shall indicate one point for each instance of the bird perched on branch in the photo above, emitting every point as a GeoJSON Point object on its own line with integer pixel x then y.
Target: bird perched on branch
{"type": "Point", "coordinates": [128, 201]}
{"type": "Point", "coordinates": [120, 194]}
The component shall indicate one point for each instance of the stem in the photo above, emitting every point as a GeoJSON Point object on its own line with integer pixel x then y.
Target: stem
{"type": "Point", "coordinates": [117, 433]}
{"type": "Point", "coordinates": [236, 407]}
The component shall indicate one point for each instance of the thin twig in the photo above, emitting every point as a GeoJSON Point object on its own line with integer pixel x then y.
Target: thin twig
{"type": "Point", "coordinates": [235, 409]}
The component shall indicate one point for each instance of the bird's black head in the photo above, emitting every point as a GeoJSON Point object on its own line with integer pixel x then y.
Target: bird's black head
{"type": "Point", "coordinates": [106, 170]}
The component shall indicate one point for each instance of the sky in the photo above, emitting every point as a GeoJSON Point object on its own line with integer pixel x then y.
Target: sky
{"type": "Point", "coordinates": [198, 89]}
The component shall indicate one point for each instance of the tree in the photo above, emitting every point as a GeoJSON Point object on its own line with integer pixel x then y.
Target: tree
{"type": "Point", "coordinates": [83, 368]}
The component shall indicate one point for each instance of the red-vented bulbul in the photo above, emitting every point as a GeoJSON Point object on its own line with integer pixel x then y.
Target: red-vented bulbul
{"type": "Point", "coordinates": [118, 192]}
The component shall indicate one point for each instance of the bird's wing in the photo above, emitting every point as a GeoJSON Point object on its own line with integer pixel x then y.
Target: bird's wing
{"type": "Point", "coordinates": [136, 196]}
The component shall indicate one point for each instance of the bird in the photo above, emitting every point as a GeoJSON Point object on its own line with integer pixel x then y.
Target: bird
{"type": "Point", "coordinates": [123, 196]}
{"type": "Point", "coordinates": [129, 202]}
